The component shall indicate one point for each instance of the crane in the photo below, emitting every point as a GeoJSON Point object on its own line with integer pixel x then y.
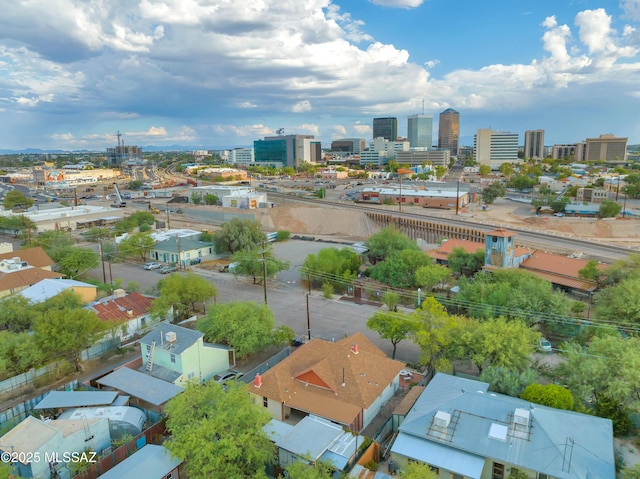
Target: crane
{"type": "Point", "coordinates": [119, 202]}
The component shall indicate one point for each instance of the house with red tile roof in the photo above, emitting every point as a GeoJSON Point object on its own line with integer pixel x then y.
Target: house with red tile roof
{"type": "Point", "coordinates": [346, 382]}
{"type": "Point", "coordinates": [130, 312]}
{"type": "Point", "coordinates": [502, 251]}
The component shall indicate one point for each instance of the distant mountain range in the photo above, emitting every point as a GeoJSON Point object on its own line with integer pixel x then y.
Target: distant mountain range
{"type": "Point", "coordinates": [147, 148]}
{"type": "Point", "coordinates": [153, 148]}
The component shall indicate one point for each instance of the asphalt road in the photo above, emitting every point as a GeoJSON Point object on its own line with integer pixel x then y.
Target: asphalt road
{"type": "Point", "coordinates": [329, 319]}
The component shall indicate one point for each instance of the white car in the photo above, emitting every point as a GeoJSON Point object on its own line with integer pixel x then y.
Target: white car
{"type": "Point", "coordinates": [152, 265]}
{"type": "Point", "coordinates": [544, 346]}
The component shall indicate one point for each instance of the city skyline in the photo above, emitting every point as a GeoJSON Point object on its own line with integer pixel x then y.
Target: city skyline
{"type": "Point", "coordinates": [223, 74]}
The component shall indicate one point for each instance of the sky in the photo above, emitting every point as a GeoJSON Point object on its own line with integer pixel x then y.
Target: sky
{"type": "Point", "coordinates": [223, 73]}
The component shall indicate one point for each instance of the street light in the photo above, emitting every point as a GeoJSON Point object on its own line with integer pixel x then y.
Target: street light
{"type": "Point", "coordinates": [419, 291]}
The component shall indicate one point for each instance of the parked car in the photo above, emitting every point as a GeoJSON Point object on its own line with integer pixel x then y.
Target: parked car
{"type": "Point", "coordinates": [560, 215]}
{"type": "Point", "coordinates": [168, 269]}
{"type": "Point", "coordinates": [229, 375]}
{"type": "Point", "coordinates": [152, 265]}
{"type": "Point", "coordinates": [544, 346]}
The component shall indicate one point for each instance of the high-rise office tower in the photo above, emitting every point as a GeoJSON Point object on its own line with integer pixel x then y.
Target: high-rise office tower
{"type": "Point", "coordinates": [386, 128]}
{"type": "Point", "coordinates": [449, 130]}
{"type": "Point", "coordinates": [494, 148]}
{"type": "Point", "coordinates": [420, 131]}
{"type": "Point", "coordinates": [534, 144]}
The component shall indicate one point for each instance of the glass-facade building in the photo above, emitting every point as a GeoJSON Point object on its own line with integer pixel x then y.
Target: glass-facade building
{"type": "Point", "coordinates": [386, 128]}
{"type": "Point", "coordinates": [420, 131]}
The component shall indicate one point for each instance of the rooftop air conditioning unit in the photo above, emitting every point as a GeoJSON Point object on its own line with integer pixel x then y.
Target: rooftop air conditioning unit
{"type": "Point", "coordinates": [521, 416]}
{"type": "Point", "coordinates": [442, 419]}
{"type": "Point", "coordinates": [170, 337]}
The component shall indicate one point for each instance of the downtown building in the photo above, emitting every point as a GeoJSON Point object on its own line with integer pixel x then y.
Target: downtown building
{"type": "Point", "coordinates": [420, 131]}
{"type": "Point", "coordinates": [348, 145]}
{"type": "Point", "coordinates": [241, 156]}
{"type": "Point", "coordinates": [386, 128]}
{"type": "Point", "coordinates": [287, 150]}
{"type": "Point", "coordinates": [534, 144]}
{"type": "Point", "coordinates": [449, 131]}
{"type": "Point", "coordinates": [495, 148]}
{"type": "Point", "coordinates": [607, 148]}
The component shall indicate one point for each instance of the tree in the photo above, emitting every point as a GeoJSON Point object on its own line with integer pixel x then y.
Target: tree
{"type": "Point", "coordinates": [55, 243]}
{"type": "Point", "coordinates": [459, 261]}
{"type": "Point", "coordinates": [386, 242]}
{"type": "Point", "coordinates": [15, 313]}
{"type": "Point", "coordinates": [609, 209]}
{"type": "Point", "coordinates": [619, 303]}
{"type": "Point", "coordinates": [523, 182]}
{"type": "Point", "coordinates": [398, 269]}
{"type": "Point", "coordinates": [19, 352]}
{"type": "Point", "coordinates": [492, 192]}
{"type": "Point", "coordinates": [394, 327]}
{"type": "Point", "coordinates": [432, 275]}
{"type": "Point", "coordinates": [631, 472]}
{"type": "Point", "coordinates": [592, 272]}
{"type": "Point", "coordinates": [211, 199]}
{"type": "Point", "coordinates": [137, 244]}
{"type": "Point", "coordinates": [391, 299]}
{"type": "Point", "coordinates": [67, 332]}
{"type": "Point", "coordinates": [135, 184]}
{"type": "Point", "coordinates": [506, 169]}
{"type": "Point", "coordinates": [559, 205]}
{"type": "Point", "coordinates": [302, 470]}
{"type": "Point", "coordinates": [496, 342]}
{"type": "Point", "coordinates": [16, 198]}
{"type": "Point", "coordinates": [485, 170]}
{"type": "Point", "coordinates": [75, 261]}
{"type": "Point", "coordinates": [196, 198]}
{"type": "Point", "coordinates": [551, 395]}
{"type": "Point", "coordinates": [181, 292]}
{"type": "Point", "coordinates": [417, 470]}
{"type": "Point", "coordinates": [432, 332]}
{"type": "Point", "coordinates": [607, 373]}
{"type": "Point", "coordinates": [338, 266]}
{"type": "Point", "coordinates": [513, 292]}
{"type": "Point", "coordinates": [252, 263]}
{"type": "Point", "coordinates": [219, 433]}
{"type": "Point", "coordinates": [246, 327]}
{"type": "Point", "coordinates": [507, 381]}
{"type": "Point", "coordinates": [239, 235]}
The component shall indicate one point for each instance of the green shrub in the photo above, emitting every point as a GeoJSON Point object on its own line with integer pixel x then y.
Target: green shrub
{"type": "Point", "coordinates": [327, 290]}
{"type": "Point", "coordinates": [282, 235]}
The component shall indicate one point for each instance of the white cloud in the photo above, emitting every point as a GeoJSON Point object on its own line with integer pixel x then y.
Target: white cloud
{"type": "Point", "coordinates": [301, 106]}
{"type": "Point", "coordinates": [398, 3]}
{"type": "Point", "coordinates": [67, 137]}
{"type": "Point", "coordinates": [431, 63]}
{"type": "Point", "coordinates": [597, 35]}
{"type": "Point", "coordinates": [307, 129]}
{"type": "Point", "coordinates": [339, 131]}
{"type": "Point", "coordinates": [631, 9]}
{"type": "Point", "coordinates": [252, 131]}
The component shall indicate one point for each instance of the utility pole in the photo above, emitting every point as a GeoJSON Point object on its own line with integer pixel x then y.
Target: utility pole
{"type": "Point", "coordinates": [104, 273]}
{"type": "Point", "coordinates": [75, 197]}
{"type": "Point", "coordinates": [457, 197]}
{"type": "Point", "coordinates": [168, 224]}
{"type": "Point", "coordinates": [308, 315]}
{"type": "Point", "coordinates": [178, 246]}
{"type": "Point", "coordinates": [400, 202]}
{"type": "Point", "coordinates": [264, 272]}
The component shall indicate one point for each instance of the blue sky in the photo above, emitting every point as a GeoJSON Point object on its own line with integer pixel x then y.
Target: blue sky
{"type": "Point", "coordinates": [222, 73]}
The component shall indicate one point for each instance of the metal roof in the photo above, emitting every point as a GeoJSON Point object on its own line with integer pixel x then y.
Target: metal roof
{"type": "Point", "coordinates": [555, 442]}
{"type": "Point", "coordinates": [311, 437]}
{"type": "Point", "coordinates": [140, 385]}
{"type": "Point", "coordinates": [185, 337]}
{"type": "Point", "coordinates": [467, 465]}
{"type": "Point", "coordinates": [150, 462]}
{"type": "Point", "coordinates": [50, 287]}
{"type": "Point", "coordinates": [72, 399]}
